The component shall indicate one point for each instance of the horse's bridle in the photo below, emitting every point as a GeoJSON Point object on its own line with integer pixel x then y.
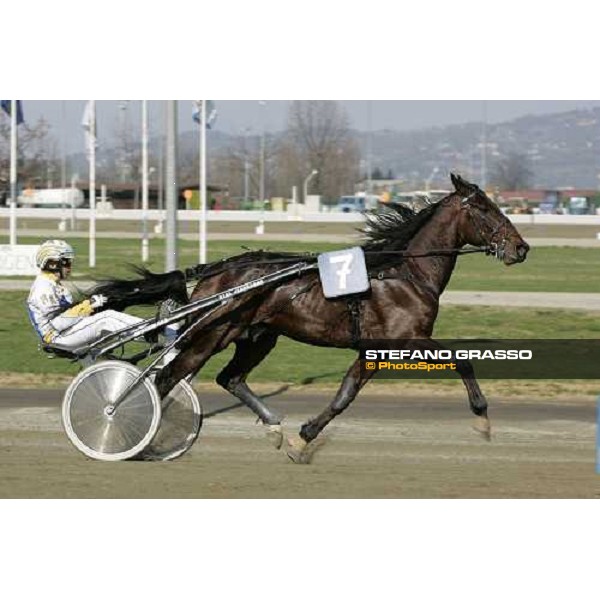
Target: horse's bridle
{"type": "Point", "coordinates": [495, 248]}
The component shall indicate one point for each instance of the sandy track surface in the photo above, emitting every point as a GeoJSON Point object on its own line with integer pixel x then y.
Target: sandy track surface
{"type": "Point", "coordinates": [382, 447]}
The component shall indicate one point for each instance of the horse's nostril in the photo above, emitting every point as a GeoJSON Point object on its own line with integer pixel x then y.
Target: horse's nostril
{"type": "Point", "coordinates": [522, 250]}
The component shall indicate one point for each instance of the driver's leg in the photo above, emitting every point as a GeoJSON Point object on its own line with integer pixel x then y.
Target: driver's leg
{"type": "Point", "coordinates": [89, 329]}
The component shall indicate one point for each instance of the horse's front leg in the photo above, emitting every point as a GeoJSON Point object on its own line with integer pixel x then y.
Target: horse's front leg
{"type": "Point", "coordinates": [477, 401]}
{"type": "Point", "coordinates": [301, 448]}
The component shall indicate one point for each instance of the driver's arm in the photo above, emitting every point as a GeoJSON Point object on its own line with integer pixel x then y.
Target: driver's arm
{"type": "Point", "coordinates": [83, 309]}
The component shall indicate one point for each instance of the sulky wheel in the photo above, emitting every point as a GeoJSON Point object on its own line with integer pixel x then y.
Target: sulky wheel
{"type": "Point", "coordinates": [98, 428]}
{"type": "Point", "coordinates": [179, 426]}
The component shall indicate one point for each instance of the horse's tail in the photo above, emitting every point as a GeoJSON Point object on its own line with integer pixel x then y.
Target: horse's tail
{"type": "Point", "coordinates": [150, 289]}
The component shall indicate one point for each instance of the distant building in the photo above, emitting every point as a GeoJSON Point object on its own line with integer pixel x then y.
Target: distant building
{"type": "Point", "coordinates": [380, 186]}
{"type": "Point", "coordinates": [129, 195]}
{"type": "Point", "coordinates": [547, 201]}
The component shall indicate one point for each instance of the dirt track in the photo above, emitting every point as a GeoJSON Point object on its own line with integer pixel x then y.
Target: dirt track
{"type": "Point", "coordinates": [382, 447]}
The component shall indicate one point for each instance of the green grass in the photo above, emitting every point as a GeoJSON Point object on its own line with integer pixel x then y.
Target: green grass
{"type": "Point", "coordinates": [297, 363]}
{"type": "Point", "coordinates": [546, 269]}
{"type": "Point", "coordinates": [113, 255]}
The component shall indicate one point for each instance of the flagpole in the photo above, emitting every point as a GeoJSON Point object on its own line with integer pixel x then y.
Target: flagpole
{"type": "Point", "coordinates": [144, 181]}
{"type": "Point", "coordinates": [13, 172]}
{"type": "Point", "coordinates": [92, 196]}
{"type": "Point", "coordinates": [172, 192]}
{"type": "Point", "coordinates": [203, 123]}
{"type": "Point", "coordinates": [63, 167]}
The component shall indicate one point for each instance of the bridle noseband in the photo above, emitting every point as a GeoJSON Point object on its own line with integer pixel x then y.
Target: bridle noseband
{"type": "Point", "coordinates": [495, 248]}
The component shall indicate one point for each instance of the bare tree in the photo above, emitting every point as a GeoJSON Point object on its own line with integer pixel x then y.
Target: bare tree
{"type": "Point", "coordinates": [37, 155]}
{"type": "Point", "coordinates": [318, 137]}
{"type": "Point", "coordinates": [511, 172]}
{"type": "Point", "coordinates": [242, 159]}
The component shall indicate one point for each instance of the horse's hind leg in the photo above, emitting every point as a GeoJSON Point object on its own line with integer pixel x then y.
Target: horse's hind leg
{"type": "Point", "coordinates": [194, 356]}
{"type": "Point", "coordinates": [299, 449]}
{"type": "Point", "coordinates": [248, 354]}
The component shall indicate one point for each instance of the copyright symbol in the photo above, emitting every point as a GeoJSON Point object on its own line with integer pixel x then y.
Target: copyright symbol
{"type": "Point", "coordinates": [370, 366]}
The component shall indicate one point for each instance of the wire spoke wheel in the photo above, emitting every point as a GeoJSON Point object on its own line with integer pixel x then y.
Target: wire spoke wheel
{"type": "Point", "coordinates": [102, 431]}
{"type": "Point", "coordinates": [179, 427]}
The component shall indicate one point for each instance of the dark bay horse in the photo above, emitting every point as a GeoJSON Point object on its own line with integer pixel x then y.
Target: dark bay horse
{"type": "Point", "coordinates": [410, 257]}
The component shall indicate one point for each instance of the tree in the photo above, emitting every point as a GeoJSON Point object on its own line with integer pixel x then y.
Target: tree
{"type": "Point", "coordinates": [377, 173]}
{"type": "Point", "coordinates": [36, 149]}
{"type": "Point", "coordinates": [318, 137]}
{"type": "Point", "coordinates": [511, 172]}
{"type": "Point", "coordinates": [243, 158]}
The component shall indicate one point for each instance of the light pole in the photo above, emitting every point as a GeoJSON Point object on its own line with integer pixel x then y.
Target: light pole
{"type": "Point", "coordinates": [369, 186]}
{"type": "Point", "coordinates": [260, 229]}
{"type": "Point", "coordinates": [430, 178]}
{"type": "Point", "coordinates": [306, 181]}
{"type": "Point", "coordinates": [483, 182]}
{"type": "Point", "coordinates": [145, 243]}
{"type": "Point", "coordinates": [261, 192]}
{"type": "Point", "coordinates": [245, 132]}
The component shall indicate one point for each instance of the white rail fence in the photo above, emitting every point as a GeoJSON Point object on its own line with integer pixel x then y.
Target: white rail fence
{"type": "Point", "coordinates": [269, 216]}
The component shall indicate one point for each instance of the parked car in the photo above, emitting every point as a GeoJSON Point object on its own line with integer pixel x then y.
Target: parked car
{"type": "Point", "coordinates": [357, 203]}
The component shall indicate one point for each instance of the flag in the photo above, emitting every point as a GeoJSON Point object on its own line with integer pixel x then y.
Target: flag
{"type": "Point", "coordinates": [211, 111]}
{"type": "Point", "coordinates": [86, 123]}
{"type": "Point", "coordinates": [6, 104]}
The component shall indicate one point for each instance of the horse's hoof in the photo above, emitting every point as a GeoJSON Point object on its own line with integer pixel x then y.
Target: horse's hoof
{"type": "Point", "coordinates": [274, 435]}
{"type": "Point", "coordinates": [302, 452]}
{"type": "Point", "coordinates": [483, 427]}
{"type": "Point", "coordinates": [297, 450]}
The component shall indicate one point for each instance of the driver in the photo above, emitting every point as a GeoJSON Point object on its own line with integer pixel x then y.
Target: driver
{"type": "Point", "coordinates": [50, 305]}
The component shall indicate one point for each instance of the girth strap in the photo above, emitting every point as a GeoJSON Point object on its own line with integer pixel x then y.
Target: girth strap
{"type": "Point", "coordinates": [354, 310]}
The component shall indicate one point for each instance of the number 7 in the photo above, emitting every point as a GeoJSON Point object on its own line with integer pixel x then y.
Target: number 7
{"type": "Point", "coordinates": [346, 260]}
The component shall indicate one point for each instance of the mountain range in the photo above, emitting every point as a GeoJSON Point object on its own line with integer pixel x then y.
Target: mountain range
{"type": "Point", "coordinates": [560, 150]}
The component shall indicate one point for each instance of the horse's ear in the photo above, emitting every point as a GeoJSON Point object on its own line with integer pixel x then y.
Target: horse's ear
{"type": "Point", "coordinates": [461, 185]}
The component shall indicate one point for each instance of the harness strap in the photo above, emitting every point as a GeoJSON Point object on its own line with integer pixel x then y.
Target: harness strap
{"type": "Point", "coordinates": [217, 268]}
{"type": "Point", "coordinates": [381, 275]}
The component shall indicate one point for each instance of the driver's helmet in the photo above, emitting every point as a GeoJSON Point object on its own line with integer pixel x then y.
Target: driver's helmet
{"type": "Point", "coordinates": [53, 250]}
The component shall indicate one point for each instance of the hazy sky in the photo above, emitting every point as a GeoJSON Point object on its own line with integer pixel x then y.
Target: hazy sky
{"type": "Point", "coordinates": [238, 115]}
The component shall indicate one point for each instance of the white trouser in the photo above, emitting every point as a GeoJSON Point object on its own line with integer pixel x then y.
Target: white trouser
{"type": "Point", "coordinates": [89, 329]}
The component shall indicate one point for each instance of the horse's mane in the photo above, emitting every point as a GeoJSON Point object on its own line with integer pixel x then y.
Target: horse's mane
{"type": "Point", "coordinates": [388, 227]}
{"type": "Point", "coordinates": [392, 226]}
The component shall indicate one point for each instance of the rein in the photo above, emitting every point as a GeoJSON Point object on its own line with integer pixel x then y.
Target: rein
{"type": "Point", "coordinates": [440, 252]}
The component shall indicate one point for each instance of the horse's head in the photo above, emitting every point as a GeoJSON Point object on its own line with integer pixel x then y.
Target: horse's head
{"type": "Point", "coordinates": [482, 223]}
